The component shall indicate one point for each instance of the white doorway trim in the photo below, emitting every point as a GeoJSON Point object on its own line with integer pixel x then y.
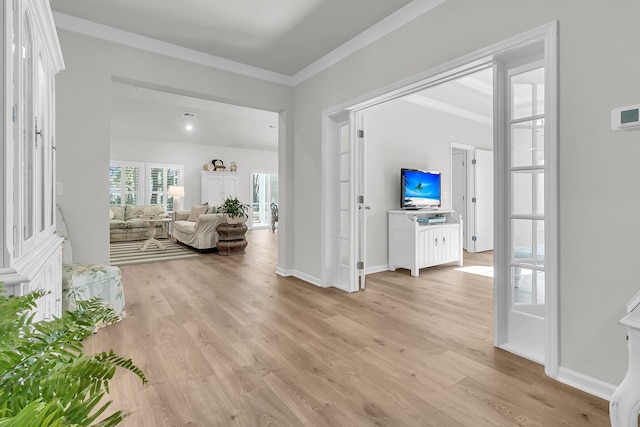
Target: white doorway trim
{"type": "Point", "coordinates": [465, 65]}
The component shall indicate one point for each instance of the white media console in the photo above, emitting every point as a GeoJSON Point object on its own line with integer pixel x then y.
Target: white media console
{"type": "Point", "coordinates": [423, 238]}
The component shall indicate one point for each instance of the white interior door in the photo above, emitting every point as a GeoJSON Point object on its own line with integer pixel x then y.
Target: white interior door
{"type": "Point", "coordinates": [482, 238]}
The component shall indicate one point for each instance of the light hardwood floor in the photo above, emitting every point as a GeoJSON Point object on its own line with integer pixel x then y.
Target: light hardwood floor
{"type": "Point", "coordinates": [225, 341]}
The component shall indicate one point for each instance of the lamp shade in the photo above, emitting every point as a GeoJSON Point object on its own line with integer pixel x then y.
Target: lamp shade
{"type": "Point", "coordinates": [176, 190]}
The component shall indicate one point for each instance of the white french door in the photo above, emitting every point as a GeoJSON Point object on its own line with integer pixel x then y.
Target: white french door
{"type": "Point", "coordinates": [524, 310]}
{"type": "Point", "coordinates": [351, 209]}
{"type": "Point", "coordinates": [345, 252]}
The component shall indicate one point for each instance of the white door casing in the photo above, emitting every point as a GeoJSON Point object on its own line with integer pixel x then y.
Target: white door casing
{"type": "Point", "coordinates": [459, 188]}
{"type": "Point", "coordinates": [360, 177]}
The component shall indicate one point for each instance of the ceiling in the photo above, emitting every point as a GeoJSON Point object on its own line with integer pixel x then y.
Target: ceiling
{"type": "Point", "coordinates": [469, 97]}
{"type": "Point", "coordinates": [282, 36]}
{"type": "Point", "coordinates": [279, 36]}
{"type": "Point", "coordinates": [141, 114]}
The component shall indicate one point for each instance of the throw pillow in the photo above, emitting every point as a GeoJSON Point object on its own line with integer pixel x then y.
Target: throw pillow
{"type": "Point", "coordinates": [196, 210]}
{"type": "Point", "coordinates": [111, 214]}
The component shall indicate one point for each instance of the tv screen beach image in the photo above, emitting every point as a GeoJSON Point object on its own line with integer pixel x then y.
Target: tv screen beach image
{"type": "Point", "coordinates": [421, 188]}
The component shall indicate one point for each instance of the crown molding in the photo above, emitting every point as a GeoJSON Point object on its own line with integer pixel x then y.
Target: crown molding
{"type": "Point", "coordinates": [389, 24]}
{"type": "Point", "coordinates": [115, 35]}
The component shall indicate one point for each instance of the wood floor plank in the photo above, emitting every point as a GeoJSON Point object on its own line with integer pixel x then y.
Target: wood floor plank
{"type": "Point", "coordinates": [227, 342]}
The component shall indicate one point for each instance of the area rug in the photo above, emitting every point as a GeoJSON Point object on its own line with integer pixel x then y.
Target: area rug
{"type": "Point", "coordinates": [128, 253]}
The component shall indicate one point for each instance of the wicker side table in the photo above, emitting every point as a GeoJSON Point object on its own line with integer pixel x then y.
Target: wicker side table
{"type": "Point", "coordinates": [231, 240]}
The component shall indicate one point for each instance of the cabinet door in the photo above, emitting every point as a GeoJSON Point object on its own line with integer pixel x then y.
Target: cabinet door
{"type": "Point", "coordinates": [438, 245]}
{"type": "Point", "coordinates": [447, 244]}
{"type": "Point", "coordinates": [449, 238]}
{"type": "Point", "coordinates": [432, 246]}
{"type": "Point", "coordinates": [423, 253]}
{"type": "Point", "coordinates": [44, 172]}
{"type": "Point", "coordinates": [230, 187]}
{"type": "Point", "coordinates": [216, 187]}
{"type": "Point", "coordinates": [211, 191]}
{"type": "Point", "coordinates": [49, 279]}
{"type": "Point", "coordinates": [25, 214]}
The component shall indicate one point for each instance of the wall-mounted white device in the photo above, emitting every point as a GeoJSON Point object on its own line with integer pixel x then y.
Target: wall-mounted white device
{"type": "Point", "coordinates": [625, 118]}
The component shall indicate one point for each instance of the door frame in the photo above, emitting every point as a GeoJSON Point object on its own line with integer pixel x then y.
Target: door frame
{"type": "Point", "coordinates": [546, 34]}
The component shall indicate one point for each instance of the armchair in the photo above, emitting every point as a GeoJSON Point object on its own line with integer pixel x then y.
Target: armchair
{"type": "Point", "coordinates": [198, 231]}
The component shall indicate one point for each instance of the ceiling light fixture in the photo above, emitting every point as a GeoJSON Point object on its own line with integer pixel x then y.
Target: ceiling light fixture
{"type": "Point", "coordinates": [189, 127]}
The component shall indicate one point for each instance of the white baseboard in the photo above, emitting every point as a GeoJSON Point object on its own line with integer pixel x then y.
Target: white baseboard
{"type": "Point", "coordinates": [377, 269]}
{"type": "Point", "coordinates": [300, 275]}
{"type": "Point", "coordinates": [586, 383]}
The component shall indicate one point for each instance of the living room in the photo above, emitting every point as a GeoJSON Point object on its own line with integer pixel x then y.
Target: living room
{"type": "Point", "coordinates": [594, 284]}
{"type": "Point", "coordinates": [151, 127]}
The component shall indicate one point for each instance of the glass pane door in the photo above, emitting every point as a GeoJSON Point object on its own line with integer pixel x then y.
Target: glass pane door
{"type": "Point", "coordinates": [527, 190]}
{"type": "Point", "coordinates": [345, 196]}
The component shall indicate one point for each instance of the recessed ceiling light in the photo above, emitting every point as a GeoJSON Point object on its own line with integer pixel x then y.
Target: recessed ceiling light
{"type": "Point", "coordinates": [189, 127]}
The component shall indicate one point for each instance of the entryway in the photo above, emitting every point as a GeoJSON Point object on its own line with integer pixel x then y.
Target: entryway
{"type": "Point", "coordinates": [347, 202]}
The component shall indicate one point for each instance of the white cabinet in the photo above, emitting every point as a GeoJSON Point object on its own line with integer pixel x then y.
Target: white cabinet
{"type": "Point", "coordinates": [31, 251]}
{"type": "Point", "coordinates": [215, 187]}
{"type": "Point", "coordinates": [416, 241]}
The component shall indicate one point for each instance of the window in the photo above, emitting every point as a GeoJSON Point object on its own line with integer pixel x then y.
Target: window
{"type": "Point", "coordinates": [159, 177]}
{"type": "Point", "coordinates": [124, 183]}
{"type": "Point", "coordinates": [139, 183]}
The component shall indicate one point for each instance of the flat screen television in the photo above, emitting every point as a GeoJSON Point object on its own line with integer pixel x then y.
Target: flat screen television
{"type": "Point", "coordinates": [419, 189]}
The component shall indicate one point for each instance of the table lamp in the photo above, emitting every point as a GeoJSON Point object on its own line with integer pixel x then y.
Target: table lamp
{"type": "Point", "coordinates": [176, 191]}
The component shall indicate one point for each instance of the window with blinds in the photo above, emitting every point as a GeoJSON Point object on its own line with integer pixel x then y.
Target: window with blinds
{"type": "Point", "coordinates": [160, 177]}
{"type": "Point", "coordinates": [124, 183]}
{"type": "Point", "coordinates": [139, 183]}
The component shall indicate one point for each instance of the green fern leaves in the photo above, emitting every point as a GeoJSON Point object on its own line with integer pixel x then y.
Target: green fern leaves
{"type": "Point", "coordinates": [45, 379]}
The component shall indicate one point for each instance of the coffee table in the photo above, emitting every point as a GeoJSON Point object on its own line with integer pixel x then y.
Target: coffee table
{"type": "Point", "coordinates": [151, 233]}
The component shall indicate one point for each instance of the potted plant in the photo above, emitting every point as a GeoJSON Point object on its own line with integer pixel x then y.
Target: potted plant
{"type": "Point", "coordinates": [236, 210]}
{"type": "Point", "coordinates": [45, 379]}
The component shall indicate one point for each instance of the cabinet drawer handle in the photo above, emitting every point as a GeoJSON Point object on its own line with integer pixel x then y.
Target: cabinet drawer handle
{"type": "Point", "coordinates": [436, 241]}
{"type": "Point", "coordinates": [444, 240]}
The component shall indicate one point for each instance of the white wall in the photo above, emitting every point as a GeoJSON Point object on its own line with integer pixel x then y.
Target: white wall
{"type": "Point", "coordinates": [598, 69]}
{"type": "Point", "coordinates": [83, 126]}
{"type": "Point", "coordinates": [192, 157]}
{"type": "Point", "coordinates": [402, 134]}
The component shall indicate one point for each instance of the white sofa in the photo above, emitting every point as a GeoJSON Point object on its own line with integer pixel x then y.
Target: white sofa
{"type": "Point", "coordinates": [201, 233]}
